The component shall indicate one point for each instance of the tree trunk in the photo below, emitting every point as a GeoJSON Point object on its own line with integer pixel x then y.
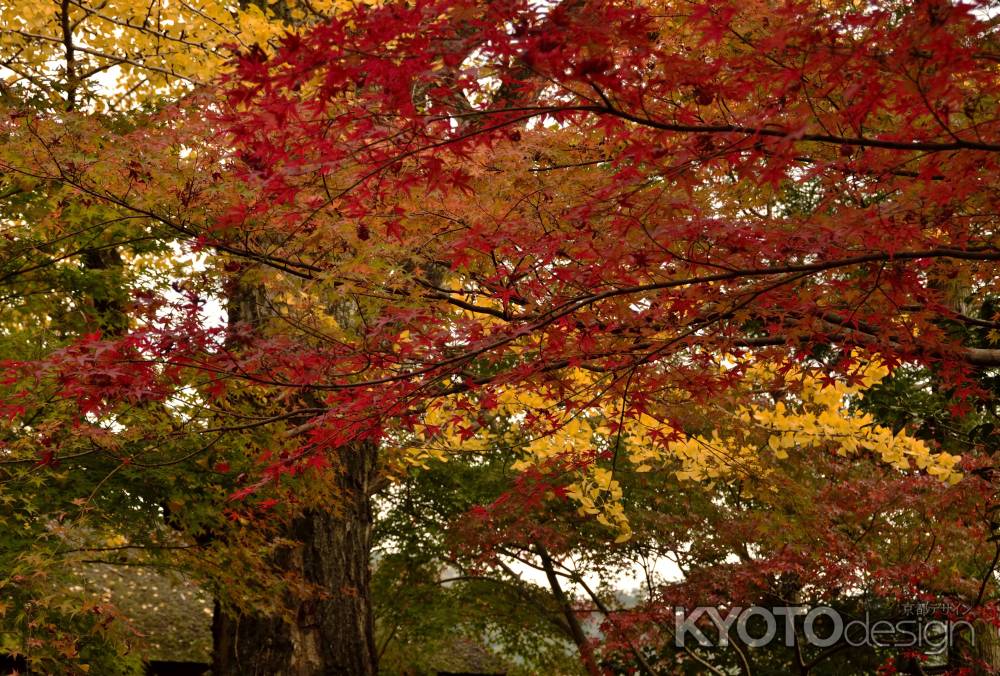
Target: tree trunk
{"type": "Point", "coordinates": [566, 606]}
{"type": "Point", "coordinates": [332, 632]}
{"type": "Point", "coordinates": [986, 649]}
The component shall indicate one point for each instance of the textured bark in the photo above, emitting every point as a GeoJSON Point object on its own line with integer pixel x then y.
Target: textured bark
{"type": "Point", "coordinates": [332, 632]}
{"type": "Point", "coordinates": [986, 649]}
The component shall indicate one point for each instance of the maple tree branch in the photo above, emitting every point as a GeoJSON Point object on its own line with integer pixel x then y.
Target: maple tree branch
{"type": "Point", "coordinates": [92, 12]}
{"type": "Point", "coordinates": [135, 62]}
{"type": "Point", "coordinates": [558, 622]}
{"type": "Point", "coordinates": [295, 268]}
{"type": "Point", "coordinates": [184, 458]}
{"type": "Point", "coordinates": [575, 576]}
{"type": "Point", "coordinates": [130, 547]}
{"type": "Point", "coordinates": [805, 159]}
{"type": "Point", "coordinates": [49, 262]}
{"type": "Point", "coordinates": [607, 108]}
{"type": "Point", "coordinates": [976, 356]}
{"type": "Point", "coordinates": [862, 142]}
{"type": "Point", "coordinates": [446, 296]}
{"type": "Point", "coordinates": [980, 254]}
{"type": "Point", "coordinates": [988, 576]}
{"type": "Point", "coordinates": [579, 637]}
{"type": "Point", "coordinates": [188, 6]}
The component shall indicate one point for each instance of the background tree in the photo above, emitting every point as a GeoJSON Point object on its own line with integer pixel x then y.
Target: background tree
{"type": "Point", "coordinates": [100, 189]}
{"type": "Point", "coordinates": [817, 521]}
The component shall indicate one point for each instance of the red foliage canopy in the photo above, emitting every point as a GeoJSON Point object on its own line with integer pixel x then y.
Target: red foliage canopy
{"type": "Point", "coordinates": [506, 192]}
{"type": "Point", "coordinates": [677, 181]}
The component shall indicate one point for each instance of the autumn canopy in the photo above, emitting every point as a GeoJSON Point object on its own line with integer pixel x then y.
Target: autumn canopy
{"type": "Point", "coordinates": [359, 315]}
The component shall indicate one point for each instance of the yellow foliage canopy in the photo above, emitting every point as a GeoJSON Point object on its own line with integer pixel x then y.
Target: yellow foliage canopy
{"type": "Point", "coordinates": [745, 440]}
{"type": "Point", "coordinates": [122, 52]}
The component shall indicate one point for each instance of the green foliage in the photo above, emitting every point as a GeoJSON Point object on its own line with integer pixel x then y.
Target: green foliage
{"type": "Point", "coordinates": [431, 599]}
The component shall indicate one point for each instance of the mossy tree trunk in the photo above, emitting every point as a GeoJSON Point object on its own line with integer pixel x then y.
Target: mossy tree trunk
{"type": "Point", "coordinates": [332, 631]}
